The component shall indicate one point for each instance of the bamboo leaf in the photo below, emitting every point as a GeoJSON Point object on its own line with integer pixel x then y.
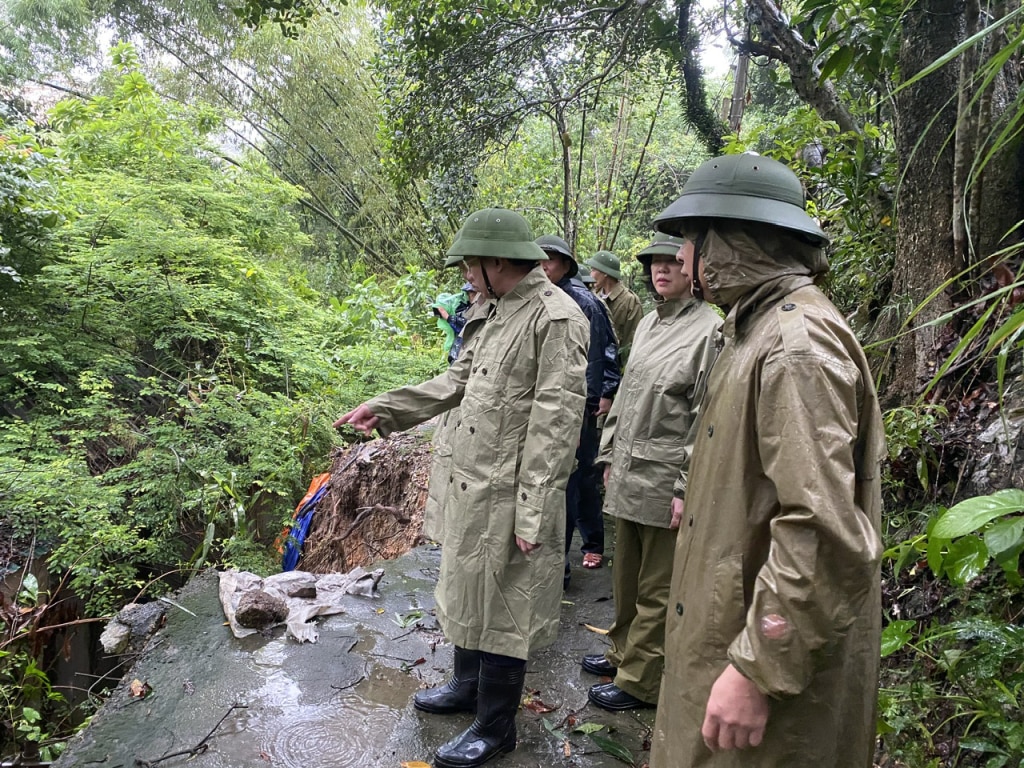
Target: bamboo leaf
{"type": "Point", "coordinates": [612, 747]}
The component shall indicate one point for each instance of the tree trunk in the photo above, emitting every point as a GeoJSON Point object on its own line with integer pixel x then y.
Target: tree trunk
{"type": "Point", "coordinates": [924, 242]}
{"type": "Point", "coordinates": [709, 127]}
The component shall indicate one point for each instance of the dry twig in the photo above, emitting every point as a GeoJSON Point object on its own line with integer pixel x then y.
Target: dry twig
{"type": "Point", "coordinates": [198, 749]}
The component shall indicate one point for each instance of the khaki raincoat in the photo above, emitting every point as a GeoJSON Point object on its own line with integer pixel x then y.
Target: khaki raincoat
{"type": "Point", "coordinates": [522, 388]}
{"type": "Point", "coordinates": [441, 464]}
{"type": "Point", "coordinates": [777, 559]}
{"type": "Point", "coordinates": [646, 441]}
{"type": "Point", "coordinates": [673, 351]}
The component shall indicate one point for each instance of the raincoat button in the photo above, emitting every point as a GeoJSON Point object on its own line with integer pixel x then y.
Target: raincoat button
{"type": "Point", "coordinates": [523, 497]}
{"type": "Point", "coordinates": [679, 608]}
{"type": "Point", "coordinates": [484, 371]}
{"type": "Point", "coordinates": [462, 486]}
{"type": "Point", "coordinates": [547, 293]}
{"type": "Point", "coordinates": [451, 478]}
{"type": "Point", "coordinates": [711, 429]}
{"type": "Point", "coordinates": [472, 430]}
{"type": "Point", "coordinates": [475, 367]}
{"type": "Point", "coordinates": [788, 307]}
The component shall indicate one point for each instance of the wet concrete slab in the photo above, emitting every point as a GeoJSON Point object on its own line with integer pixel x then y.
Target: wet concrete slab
{"type": "Point", "coordinates": [345, 701]}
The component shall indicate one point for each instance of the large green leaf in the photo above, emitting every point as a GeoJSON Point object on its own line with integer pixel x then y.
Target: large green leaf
{"type": "Point", "coordinates": [1005, 542]}
{"type": "Point", "coordinates": [971, 515]}
{"type": "Point", "coordinates": [895, 635]}
{"type": "Point", "coordinates": [966, 559]}
{"type": "Point", "coordinates": [1005, 539]}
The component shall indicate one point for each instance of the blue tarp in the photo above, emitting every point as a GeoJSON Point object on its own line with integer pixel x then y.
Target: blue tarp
{"type": "Point", "coordinates": [300, 527]}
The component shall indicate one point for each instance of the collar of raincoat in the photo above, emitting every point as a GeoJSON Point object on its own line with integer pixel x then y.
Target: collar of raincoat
{"type": "Point", "coordinates": [668, 310]}
{"type": "Point", "coordinates": [746, 262]}
{"type": "Point", "coordinates": [615, 292]}
{"type": "Point", "coordinates": [532, 281]}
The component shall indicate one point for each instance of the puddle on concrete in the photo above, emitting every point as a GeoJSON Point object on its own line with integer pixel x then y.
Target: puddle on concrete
{"type": "Point", "coordinates": [388, 687]}
{"type": "Point", "coordinates": [295, 731]}
{"type": "Point", "coordinates": [307, 735]}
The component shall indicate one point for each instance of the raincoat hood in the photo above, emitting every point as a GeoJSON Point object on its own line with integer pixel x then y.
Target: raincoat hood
{"type": "Point", "coordinates": [741, 257]}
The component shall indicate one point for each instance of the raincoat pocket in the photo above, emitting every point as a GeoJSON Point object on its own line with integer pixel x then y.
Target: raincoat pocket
{"type": "Point", "coordinates": [654, 466]}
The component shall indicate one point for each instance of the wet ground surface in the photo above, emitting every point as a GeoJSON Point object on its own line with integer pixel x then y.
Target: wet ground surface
{"type": "Point", "coordinates": [346, 700]}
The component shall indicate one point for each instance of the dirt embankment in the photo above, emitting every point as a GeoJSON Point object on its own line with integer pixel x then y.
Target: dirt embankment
{"type": "Point", "coordinates": [374, 508]}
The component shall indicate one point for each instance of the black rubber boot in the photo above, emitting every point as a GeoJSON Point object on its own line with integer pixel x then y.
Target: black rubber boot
{"type": "Point", "coordinates": [459, 693]}
{"type": "Point", "coordinates": [493, 732]}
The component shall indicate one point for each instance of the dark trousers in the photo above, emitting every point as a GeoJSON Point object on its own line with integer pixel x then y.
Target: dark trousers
{"type": "Point", "coordinates": [503, 661]}
{"type": "Point", "coordinates": [583, 493]}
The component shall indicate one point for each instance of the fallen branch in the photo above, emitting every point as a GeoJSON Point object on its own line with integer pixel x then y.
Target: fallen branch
{"type": "Point", "coordinates": [365, 512]}
{"type": "Point", "coordinates": [198, 749]}
{"type": "Point", "coordinates": [350, 685]}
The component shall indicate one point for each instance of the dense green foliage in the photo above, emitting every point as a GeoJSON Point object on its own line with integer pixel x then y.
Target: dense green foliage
{"type": "Point", "coordinates": [960, 650]}
{"type": "Point", "coordinates": [166, 365]}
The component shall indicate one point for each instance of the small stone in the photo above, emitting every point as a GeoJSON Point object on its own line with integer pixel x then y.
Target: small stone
{"type": "Point", "coordinates": [115, 637]}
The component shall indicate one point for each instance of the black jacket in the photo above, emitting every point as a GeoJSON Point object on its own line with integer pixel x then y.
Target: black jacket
{"type": "Point", "coordinates": [603, 374]}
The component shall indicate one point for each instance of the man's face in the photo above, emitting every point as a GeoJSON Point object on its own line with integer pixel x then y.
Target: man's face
{"type": "Point", "coordinates": [601, 281]}
{"type": "Point", "coordinates": [685, 256]}
{"type": "Point", "coordinates": [473, 274]}
{"type": "Point", "coordinates": [556, 267]}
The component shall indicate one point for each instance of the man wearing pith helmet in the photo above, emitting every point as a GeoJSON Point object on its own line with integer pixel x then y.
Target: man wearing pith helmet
{"type": "Point", "coordinates": [623, 305]}
{"type": "Point", "coordinates": [773, 626]}
{"type": "Point", "coordinates": [521, 384]}
{"type": "Point", "coordinates": [583, 496]}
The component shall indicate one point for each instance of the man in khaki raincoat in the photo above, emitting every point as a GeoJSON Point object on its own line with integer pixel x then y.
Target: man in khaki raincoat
{"type": "Point", "coordinates": [645, 448]}
{"type": "Point", "coordinates": [522, 389]}
{"type": "Point", "coordinates": [623, 305]}
{"type": "Point", "coordinates": [773, 627]}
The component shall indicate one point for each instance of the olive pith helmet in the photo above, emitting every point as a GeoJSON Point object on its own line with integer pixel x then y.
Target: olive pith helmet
{"type": "Point", "coordinates": [607, 262]}
{"type": "Point", "coordinates": [661, 245]}
{"type": "Point", "coordinates": [586, 278]}
{"type": "Point", "coordinates": [494, 233]}
{"type": "Point", "coordinates": [553, 244]}
{"type": "Point", "coordinates": [746, 187]}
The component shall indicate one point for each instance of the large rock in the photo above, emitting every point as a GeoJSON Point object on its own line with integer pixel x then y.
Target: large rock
{"type": "Point", "coordinates": [258, 609]}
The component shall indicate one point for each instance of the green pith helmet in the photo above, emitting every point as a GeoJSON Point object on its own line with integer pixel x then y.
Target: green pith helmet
{"type": "Point", "coordinates": [553, 244]}
{"type": "Point", "coordinates": [665, 245]}
{"type": "Point", "coordinates": [587, 279]}
{"type": "Point", "coordinates": [607, 262]}
{"type": "Point", "coordinates": [747, 187]}
{"type": "Point", "coordinates": [495, 233]}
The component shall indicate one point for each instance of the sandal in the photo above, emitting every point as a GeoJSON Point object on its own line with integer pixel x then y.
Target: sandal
{"type": "Point", "coordinates": [592, 560]}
